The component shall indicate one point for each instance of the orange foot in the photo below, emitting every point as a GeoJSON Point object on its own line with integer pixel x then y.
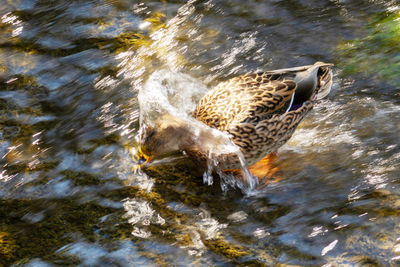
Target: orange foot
{"type": "Point", "coordinates": [265, 170]}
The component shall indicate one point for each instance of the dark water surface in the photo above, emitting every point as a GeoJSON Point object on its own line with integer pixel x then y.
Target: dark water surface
{"type": "Point", "coordinates": [70, 72]}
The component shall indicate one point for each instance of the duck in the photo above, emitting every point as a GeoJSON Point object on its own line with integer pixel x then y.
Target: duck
{"type": "Point", "coordinates": [257, 112]}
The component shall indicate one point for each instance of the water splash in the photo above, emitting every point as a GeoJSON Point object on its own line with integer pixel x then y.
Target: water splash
{"type": "Point", "coordinates": [140, 214]}
{"type": "Point", "coordinates": [170, 95]}
{"type": "Point", "coordinates": [169, 92]}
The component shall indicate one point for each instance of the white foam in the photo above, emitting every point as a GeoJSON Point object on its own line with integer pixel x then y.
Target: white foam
{"type": "Point", "coordinates": [176, 95]}
{"type": "Point", "coordinates": [169, 92]}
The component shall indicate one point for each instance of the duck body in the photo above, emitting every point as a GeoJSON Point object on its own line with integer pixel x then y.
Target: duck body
{"type": "Point", "coordinates": [259, 112]}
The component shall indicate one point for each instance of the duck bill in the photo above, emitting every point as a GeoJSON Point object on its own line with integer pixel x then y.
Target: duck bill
{"type": "Point", "coordinates": [141, 159]}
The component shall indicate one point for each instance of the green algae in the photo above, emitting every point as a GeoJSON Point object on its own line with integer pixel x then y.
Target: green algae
{"type": "Point", "coordinates": [82, 178]}
{"type": "Point", "coordinates": [377, 53]}
{"type": "Point", "coordinates": [128, 40]}
{"type": "Point", "coordinates": [221, 246]}
{"type": "Point", "coordinates": [157, 21]}
{"type": "Point", "coordinates": [14, 119]}
{"type": "Point", "coordinates": [7, 245]}
{"type": "Point", "coordinates": [43, 238]}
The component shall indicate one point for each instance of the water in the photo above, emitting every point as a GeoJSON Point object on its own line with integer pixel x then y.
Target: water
{"type": "Point", "coordinates": [70, 75]}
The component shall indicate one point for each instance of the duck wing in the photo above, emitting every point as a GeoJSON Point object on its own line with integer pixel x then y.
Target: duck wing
{"type": "Point", "coordinates": [245, 99]}
{"type": "Point", "coordinates": [259, 139]}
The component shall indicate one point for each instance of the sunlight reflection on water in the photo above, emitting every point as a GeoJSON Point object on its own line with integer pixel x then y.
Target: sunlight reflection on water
{"type": "Point", "coordinates": [70, 75]}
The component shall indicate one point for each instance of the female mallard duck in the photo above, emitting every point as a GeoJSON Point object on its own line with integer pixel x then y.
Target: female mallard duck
{"type": "Point", "coordinates": [259, 112]}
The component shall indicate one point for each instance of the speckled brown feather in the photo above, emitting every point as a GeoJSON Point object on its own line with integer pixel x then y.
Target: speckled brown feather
{"type": "Point", "coordinates": [247, 98]}
{"type": "Point", "coordinates": [253, 110]}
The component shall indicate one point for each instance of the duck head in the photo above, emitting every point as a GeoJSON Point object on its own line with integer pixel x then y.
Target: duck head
{"type": "Point", "coordinates": [308, 79]}
{"type": "Point", "coordinates": [167, 136]}
{"type": "Point", "coordinates": [170, 136]}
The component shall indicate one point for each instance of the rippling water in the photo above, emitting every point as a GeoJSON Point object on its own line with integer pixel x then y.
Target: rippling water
{"type": "Point", "coordinates": [70, 74]}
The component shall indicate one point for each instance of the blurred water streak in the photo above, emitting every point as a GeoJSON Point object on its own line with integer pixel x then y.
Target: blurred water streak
{"type": "Point", "coordinates": [70, 74]}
